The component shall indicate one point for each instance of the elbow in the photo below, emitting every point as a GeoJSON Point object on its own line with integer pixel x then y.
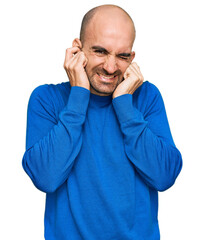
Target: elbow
{"type": "Point", "coordinates": [164, 185]}
{"type": "Point", "coordinates": [45, 186]}
{"type": "Point", "coordinates": [42, 181]}
{"type": "Point", "coordinates": [45, 183]}
{"type": "Point", "coordinates": [169, 176]}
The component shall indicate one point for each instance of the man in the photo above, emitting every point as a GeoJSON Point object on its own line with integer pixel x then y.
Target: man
{"type": "Point", "coordinates": [100, 145]}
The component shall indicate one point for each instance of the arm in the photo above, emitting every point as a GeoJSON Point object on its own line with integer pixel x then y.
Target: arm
{"type": "Point", "coordinates": [53, 142]}
{"type": "Point", "coordinates": [52, 145]}
{"type": "Point", "coordinates": [147, 139]}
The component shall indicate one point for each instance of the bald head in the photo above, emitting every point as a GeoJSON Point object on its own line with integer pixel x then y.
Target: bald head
{"type": "Point", "coordinates": [111, 12]}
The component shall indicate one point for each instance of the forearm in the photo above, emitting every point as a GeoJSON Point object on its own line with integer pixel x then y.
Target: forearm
{"type": "Point", "coordinates": [156, 160]}
{"type": "Point", "coordinates": [49, 161]}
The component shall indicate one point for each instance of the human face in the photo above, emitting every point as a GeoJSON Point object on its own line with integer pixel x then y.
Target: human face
{"type": "Point", "coordinates": [108, 50]}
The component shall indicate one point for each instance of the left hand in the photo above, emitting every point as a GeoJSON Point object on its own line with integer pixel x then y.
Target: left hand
{"type": "Point", "coordinates": [133, 79]}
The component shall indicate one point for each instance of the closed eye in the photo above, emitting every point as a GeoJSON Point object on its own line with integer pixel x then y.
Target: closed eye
{"type": "Point", "coordinates": [100, 51]}
{"type": "Point", "coordinates": [124, 56]}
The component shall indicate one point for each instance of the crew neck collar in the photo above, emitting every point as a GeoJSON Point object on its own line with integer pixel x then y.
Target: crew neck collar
{"type": "Point", "coordinates": [100, 100]}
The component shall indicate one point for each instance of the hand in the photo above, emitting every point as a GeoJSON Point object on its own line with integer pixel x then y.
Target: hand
{"type": "Point", "coordinates": [74, 64]}
{"type": "Point", "coordinates": [133, 79]}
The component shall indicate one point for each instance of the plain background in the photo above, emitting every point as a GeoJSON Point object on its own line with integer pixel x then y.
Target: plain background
{"type": "Point", "coordinates": [169, 50]}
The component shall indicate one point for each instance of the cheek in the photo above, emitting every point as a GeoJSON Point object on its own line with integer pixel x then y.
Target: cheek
{"type": "Point", "coordinates": [123, 67]}
{"type": "Point", "coordinates": [93, 63]}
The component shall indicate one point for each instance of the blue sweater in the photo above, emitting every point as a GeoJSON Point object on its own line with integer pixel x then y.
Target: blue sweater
{"type": "Point", "coordinates": [100, 161]}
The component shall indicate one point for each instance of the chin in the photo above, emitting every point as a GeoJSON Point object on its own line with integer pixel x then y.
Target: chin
{"type": "Point", "coordinates": [103, 90]}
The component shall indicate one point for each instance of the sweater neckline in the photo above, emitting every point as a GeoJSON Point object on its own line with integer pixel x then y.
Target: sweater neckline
{"type": "Point", "coordinates": [100, 101]}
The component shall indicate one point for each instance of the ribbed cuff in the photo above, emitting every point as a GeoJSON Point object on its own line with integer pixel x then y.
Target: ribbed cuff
{"type": "Point", "coordinates": [78, 100]}
{"type": "Point", "coordinates": [125, 110]}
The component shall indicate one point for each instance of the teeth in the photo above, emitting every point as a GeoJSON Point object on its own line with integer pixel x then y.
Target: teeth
{"type": "Point", "coordinates": [107, 77]}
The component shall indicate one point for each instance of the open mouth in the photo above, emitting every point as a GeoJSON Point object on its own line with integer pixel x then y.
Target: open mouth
{"type": "Point", "coordinates": [107, 77]}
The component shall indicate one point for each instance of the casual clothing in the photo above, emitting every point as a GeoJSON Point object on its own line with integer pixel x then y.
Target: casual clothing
{"type": "Point", "coordinates": [100, 161]}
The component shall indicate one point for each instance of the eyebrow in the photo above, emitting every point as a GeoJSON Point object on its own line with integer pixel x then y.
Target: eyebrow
{"type": "Point", "coordinates": [99, 48]}
{"type": "Point", "coordinates": [106, 51]}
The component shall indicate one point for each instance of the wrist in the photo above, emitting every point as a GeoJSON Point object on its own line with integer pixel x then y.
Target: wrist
{"type": "Point", "coordinates": [78, 99]}
{"type": "Point", "coordinates": [118, 94]}
{"type": "Point", "coordinates": [82, 84]}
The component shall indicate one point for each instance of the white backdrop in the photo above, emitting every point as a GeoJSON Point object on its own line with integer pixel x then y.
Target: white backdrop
{"type": "Point", "coordinates": [169, 50]}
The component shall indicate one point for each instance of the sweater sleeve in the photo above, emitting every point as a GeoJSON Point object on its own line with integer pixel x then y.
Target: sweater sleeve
{"type": "Point", "coordinates": [148, 141]}
{"type": "Point", "coordinates": [53, 143]}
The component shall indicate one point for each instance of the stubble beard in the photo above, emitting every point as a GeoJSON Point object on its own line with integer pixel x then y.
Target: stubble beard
{"type": "Point", "coordinates": [103, 88]}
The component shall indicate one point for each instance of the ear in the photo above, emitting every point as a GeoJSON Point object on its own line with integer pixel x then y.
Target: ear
{"type": "Point", "coordinates": [77, 43]}
{"type": "Point", "coordinates": [132, 56]}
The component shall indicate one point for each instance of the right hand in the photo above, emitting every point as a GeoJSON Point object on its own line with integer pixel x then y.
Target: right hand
{"type": "Point", "coordinates": [74, 64]}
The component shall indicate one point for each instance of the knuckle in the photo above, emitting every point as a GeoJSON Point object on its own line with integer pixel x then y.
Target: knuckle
{"type": "Point", "coordinates": [67, 50]}
{"type": "Point", "coordinates": [81, 54]}
{"type": "Point", "coordinates": [65, 65]}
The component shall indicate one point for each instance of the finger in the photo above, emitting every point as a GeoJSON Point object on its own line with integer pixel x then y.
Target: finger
{"type": "Point", "coordinates": [135, 67]}
{"type": "Point", "coordinates": [72, 50]}
{"type": "Point", "coordinates": [132, 76]}
{"type": "Point", "coordinates": [81, 58]}
{"type": "Point", "coordinates": [69, 54]}
{"type": "Point", "coordinates": [132, 71]}
{"type": "Point", "coordinates": [78, 61]}
{"type": "Point", "coordinates": [137, 70]}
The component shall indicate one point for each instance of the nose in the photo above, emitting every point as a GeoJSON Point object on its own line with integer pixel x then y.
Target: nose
{"type": "Point", "coordinates": [110, 64]}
